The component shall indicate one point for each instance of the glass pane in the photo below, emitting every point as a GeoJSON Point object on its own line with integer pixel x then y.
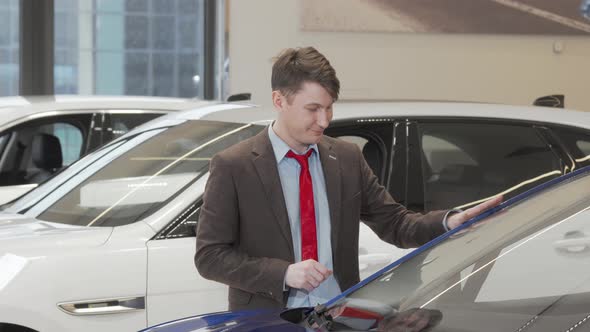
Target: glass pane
{"type": "Point", "coordinates": [466, 162]}
{"type": "Point", "coordinates": [9, 48]}
{"type": "Point", "coordinates": [163, 6]}
{"type": "Point", "coordinates": [136, 5]}
{"type": "Point", "coordinates": [163, 70]}
{"type": "Point", "coordinates": [141, 180]}
{"type": "Point", "coordinates": [70, 138]}
{"type": "Point", "coordinates": [584, 146]}
{"type": "Point", "coordinates": [136, 32]}
{"type": "Point", "coordinates": [135, 47]}
{"type": "Point", "coordinates": [122, 123]}
{"type": "Point", "coordinates": [65, 71]}
{"type": "Point", "coordinates": [490, 273]}
{"type": "Point", "coordinates": [163, 32]}
{"type": "Point", "coordinates": [136, 71]}
{"type": "Point", "coordinates": [577, 142]}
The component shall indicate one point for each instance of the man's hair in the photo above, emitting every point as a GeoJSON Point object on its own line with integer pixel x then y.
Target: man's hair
{"type": "Point", "coordinates": [294, 66]}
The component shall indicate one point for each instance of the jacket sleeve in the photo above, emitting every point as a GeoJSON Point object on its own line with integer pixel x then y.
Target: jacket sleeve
{"type": "Point", "coordinates": [391, 221]}
{"type": "Point", "coordinates": [217, 254]}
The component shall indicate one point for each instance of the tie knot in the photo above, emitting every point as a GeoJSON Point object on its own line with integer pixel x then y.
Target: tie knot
{"type": "Point", "coordinates": [302, 159]}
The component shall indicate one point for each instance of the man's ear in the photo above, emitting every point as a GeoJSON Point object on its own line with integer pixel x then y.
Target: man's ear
{"type": "Point", "coordinates": [278, 100]}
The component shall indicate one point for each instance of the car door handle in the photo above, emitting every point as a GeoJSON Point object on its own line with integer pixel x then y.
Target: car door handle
{"type": "Point", "coordinates": [575, 246]}
{"type": "Point", "coordinates": [373, 259]}
{"type": "Point", "coordinates": [103, 306]}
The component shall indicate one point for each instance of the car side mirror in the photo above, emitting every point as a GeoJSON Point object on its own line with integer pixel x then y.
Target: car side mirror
{"type": "Point", "coordinates": [556, 101]}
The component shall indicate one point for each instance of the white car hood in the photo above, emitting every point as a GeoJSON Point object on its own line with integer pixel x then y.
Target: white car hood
{"type": "Point", "coordinates": [20, 232]}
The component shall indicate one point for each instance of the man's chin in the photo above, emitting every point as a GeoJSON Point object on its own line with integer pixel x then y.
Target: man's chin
{"type": "Point", "coordinates": [315, 140]}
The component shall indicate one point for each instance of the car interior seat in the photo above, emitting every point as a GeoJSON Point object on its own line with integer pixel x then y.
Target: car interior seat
{"type": "Point", "coordinates": [456, 184]}
{"type": "Point", "coordinates": [46, 157]}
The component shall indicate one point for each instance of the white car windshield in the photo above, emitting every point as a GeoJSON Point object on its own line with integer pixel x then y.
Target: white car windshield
{"type": "Point", "coordinates": [525, 266]}
{"type": "Point", "coordinates": [139, 176]}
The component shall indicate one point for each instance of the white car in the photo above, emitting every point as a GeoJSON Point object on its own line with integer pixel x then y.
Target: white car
{"type": "Point", "coordinates": [40, 135]}
{"type": "Point", "coordinates": [108, 244]}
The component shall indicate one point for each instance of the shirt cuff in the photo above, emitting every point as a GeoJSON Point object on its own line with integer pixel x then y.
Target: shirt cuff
{"type": "Point", "coordinates": [285, 287]}
{"type": "Point", "coordinates": [444, 222]}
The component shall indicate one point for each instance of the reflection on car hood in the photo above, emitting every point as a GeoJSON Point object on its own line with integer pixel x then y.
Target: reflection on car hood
{"type": "Point", "coordinates": [242, 321]}
{"type": "Point", "coordinates": [20, 232]}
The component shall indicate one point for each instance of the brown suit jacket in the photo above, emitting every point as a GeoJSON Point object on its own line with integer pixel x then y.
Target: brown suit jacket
{"type": "Point", "coordinates": [244, 237]}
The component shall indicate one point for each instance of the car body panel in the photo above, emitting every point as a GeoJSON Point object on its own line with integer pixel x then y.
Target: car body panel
{"type": "Point", "coordinates": [245, 321]}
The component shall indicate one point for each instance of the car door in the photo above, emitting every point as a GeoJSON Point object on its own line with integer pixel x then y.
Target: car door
{"type": "Point", "coordinates": [34, 150]}
{"type": "Point", "coordinates": [460, 162]}
{"type": "Point", "coordinates": [175, 289]}
{"type": "Point", "coordinates": [375, 138]}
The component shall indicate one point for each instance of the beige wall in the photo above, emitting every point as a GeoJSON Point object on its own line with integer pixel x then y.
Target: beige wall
{"type": "Point", "coordinates": [505, 69]}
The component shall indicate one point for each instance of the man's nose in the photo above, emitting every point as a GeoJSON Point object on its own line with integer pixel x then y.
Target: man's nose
{"type": "Point", "coordinates": [324, 119]}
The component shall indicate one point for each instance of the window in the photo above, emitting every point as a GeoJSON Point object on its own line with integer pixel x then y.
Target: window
{"type": "Point", "coordinates": [39, 149]}
{"type": "Point", "coordinates": [143, 178]}
{"type": "Point", "coordinates": [121, 123]}
{"type": "Point", "coordinates": [70, 138]}
{"type": "Point", "coordinates": [584, 146]}
{"type": "Point", "coordinates": [482, 278]}
{"type": "Point", "coordinates": [466, 162]}
{"type": "Point", "coordinates": [374, 141]}
{"type": "Point", "coordinates": [129, 47]}
{"type": "Point", "coordinates": [577, 142]}
{"type": "Point", "coordinates": [9, 47]}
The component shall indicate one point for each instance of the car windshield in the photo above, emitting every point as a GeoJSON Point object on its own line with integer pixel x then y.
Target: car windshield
{"type": "Point", "coordinates": [524, 267]}
{"type": "Point", "coordinates": [138, 176]}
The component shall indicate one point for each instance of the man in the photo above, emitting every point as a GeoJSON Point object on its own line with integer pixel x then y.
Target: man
{"type": "Point", "coordinates": [280, 217]}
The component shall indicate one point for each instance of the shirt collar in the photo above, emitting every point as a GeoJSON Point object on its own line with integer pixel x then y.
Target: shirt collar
{"type": "Point", "coordinates": [281, 148]}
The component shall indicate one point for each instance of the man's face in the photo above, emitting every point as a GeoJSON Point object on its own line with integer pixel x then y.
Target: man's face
{"type": "Point", "coordinates": [304, 115]}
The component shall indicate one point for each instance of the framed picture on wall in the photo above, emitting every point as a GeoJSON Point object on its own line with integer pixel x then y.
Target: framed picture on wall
{"type": "Point", "coordinates": [539, 17]}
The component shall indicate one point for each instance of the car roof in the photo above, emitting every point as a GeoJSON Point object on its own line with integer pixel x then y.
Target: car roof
{"type": "Point", "coordinates": [14, 110]}
{"type": "Point", "coordinates": [375, 110]}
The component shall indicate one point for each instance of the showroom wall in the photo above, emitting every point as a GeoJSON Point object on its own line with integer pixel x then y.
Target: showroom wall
{"type": "Point", "coordinates": [511, 69]}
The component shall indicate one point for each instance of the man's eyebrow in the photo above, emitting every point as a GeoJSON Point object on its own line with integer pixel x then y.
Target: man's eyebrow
{"type": "Point", "coordinates": [314, 104]}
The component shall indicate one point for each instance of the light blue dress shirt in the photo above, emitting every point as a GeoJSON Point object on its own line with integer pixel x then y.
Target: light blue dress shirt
{"type": "Point", "coordinates": [289, 171]}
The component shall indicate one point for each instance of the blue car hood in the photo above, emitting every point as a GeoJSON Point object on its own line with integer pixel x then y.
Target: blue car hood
{"type": "Point", "coordinates": [248, 320]}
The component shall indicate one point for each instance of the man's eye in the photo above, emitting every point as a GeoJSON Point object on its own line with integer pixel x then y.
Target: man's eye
{"type": "Point", "coordinates": [312, 109]}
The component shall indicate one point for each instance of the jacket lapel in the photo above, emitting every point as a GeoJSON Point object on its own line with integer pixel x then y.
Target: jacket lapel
{"type": "Point", "coordinates": [266, 166]}
{"type": "Point", "coordinates": [332, 174]}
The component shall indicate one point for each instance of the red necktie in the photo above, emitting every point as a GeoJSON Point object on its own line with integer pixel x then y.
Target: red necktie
{"type": "Point", "coordinates": [309, 246]}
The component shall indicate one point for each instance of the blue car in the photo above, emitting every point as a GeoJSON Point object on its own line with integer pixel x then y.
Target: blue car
{"type": "Point", "coordinates": [522, 266]}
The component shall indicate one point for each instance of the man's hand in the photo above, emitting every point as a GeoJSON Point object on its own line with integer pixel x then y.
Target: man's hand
{"type": "Point", "coordinates": [306, 275]}
{"type": "Point", "coordinates": [458, 219]}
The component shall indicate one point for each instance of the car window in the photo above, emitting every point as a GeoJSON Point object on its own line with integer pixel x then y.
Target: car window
{"type": "Point", "coordinates": [141, 180]}
{"type": "Point", "coordinates": [40, 148]}
{"type": "Point", "coordinates": [373, 139]}
{"type": "Point", "coordinates": [121, 123]}
{"type": "Point", "coordinates": [584, 146]}
{"type": "Point", "coordinates": [526, 265]}
{"type": "Point", "coordinates": [70, 138]}
{"type": "Point", "coordinates": [463, 163]}
{"type": "Point", "coordinates": [577, 142]}
{"type": "Point", "coordinates": [3, 141]}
